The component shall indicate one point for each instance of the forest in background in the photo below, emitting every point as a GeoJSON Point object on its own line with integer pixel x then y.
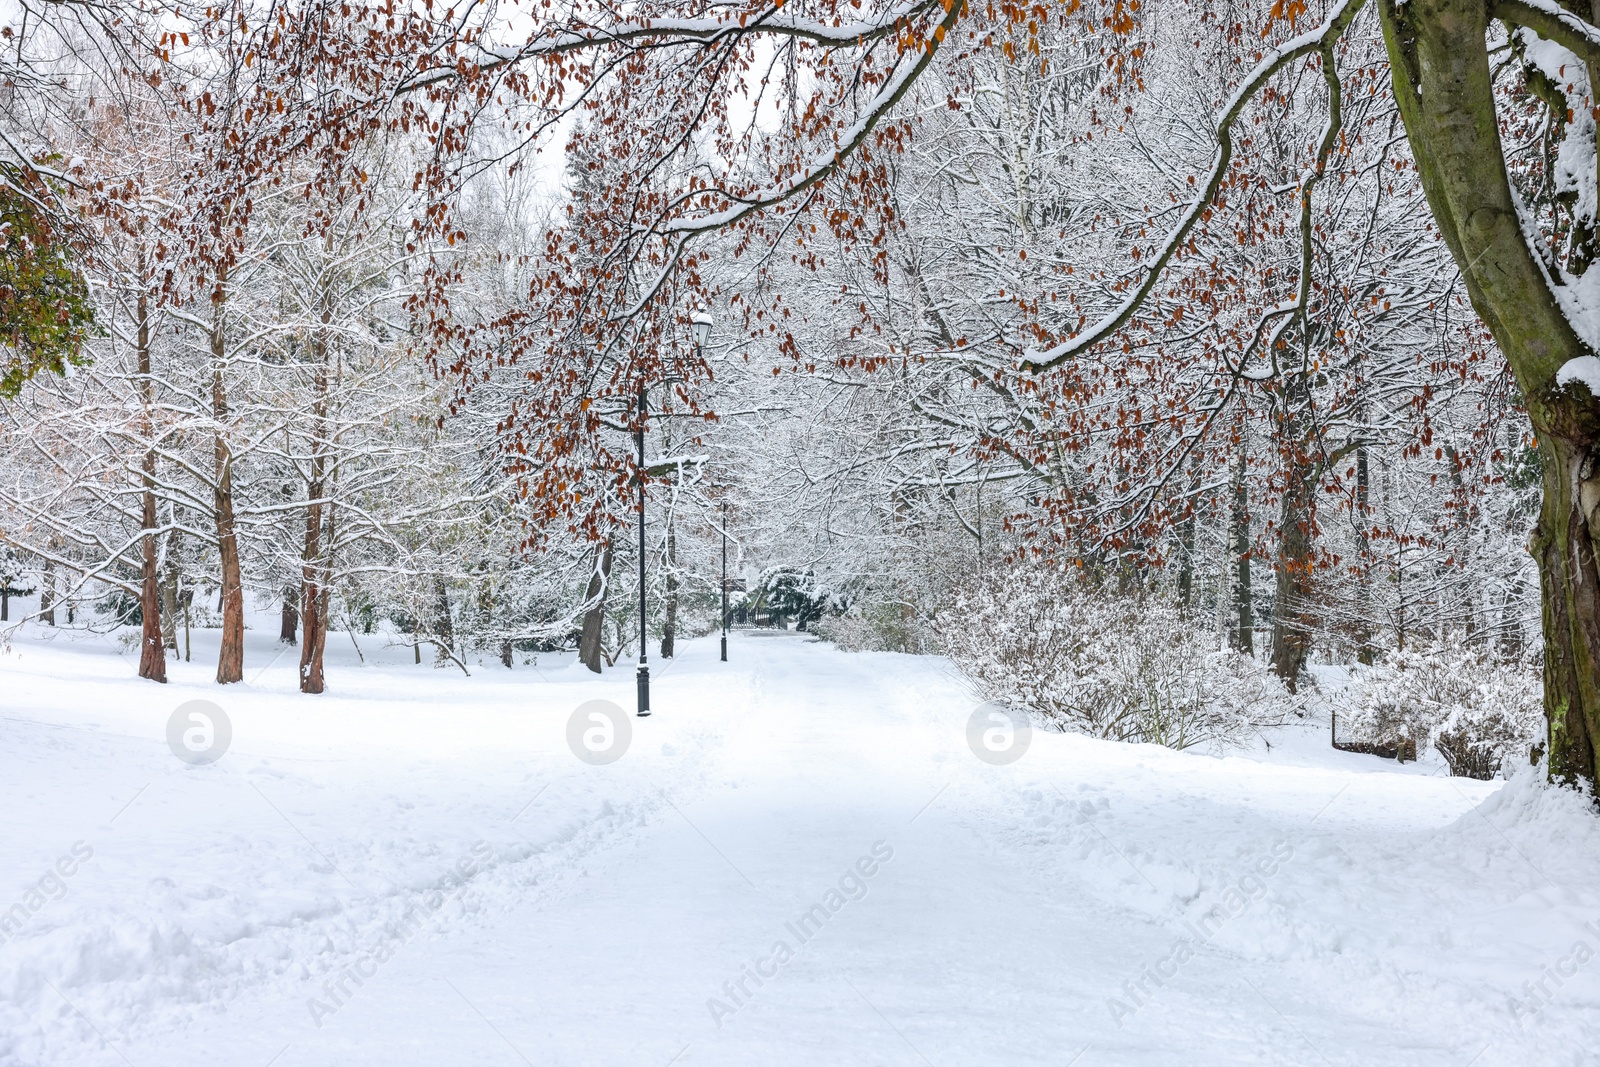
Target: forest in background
{"type": "Point", "coordinates": [365, 368]}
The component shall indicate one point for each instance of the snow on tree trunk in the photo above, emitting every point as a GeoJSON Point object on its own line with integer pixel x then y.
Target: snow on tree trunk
{"type": "Point", "coordinates": [594, 619]}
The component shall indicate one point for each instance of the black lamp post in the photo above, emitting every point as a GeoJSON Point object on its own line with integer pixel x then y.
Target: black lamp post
{"type": "Point", "coordinates": [644, 645]}
{"type": "Point", "coordinates": [700, 327]}
{"type": "Point", "coordinates": [724, 581]}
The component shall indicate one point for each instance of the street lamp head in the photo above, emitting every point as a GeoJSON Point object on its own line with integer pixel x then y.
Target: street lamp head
{"type": "Point", "coordinates": [700, 327]}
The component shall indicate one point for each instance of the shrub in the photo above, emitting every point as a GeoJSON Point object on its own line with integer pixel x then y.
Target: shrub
{"type": "Point", "coordinates": [1123, 668]}
{"type": "Point", "coordinates": [1481, 714]}
{"type": "Point", "coordinates": [875, 625]}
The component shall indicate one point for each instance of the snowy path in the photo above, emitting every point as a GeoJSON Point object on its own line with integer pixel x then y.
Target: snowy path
{"type": "Point", "coordinates": [1117, 904]}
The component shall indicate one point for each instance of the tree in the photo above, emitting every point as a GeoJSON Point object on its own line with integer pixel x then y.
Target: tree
{"type": "Point", "coordinates": [1075, 280]}
{"type": "Point", "coordinates": [1528, 294]}
{"type": "Point", "coordinates": [12, 574]}
{"type": "Point", "coordinates": [45, 311]}
{"type": "Point", "coordinates": [674, 76]}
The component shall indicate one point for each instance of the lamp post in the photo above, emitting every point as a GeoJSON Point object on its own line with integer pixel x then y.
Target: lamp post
{"type": "Point", "coordinates": [700, 328]}
{"type": "Point", "coordinates": [724, 581]}
{"type": "Point", "coordinates": [643, 676]}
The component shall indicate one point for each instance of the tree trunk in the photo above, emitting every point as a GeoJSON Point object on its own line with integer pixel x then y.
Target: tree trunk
{"type": "Point", "coordinates": [314, 619]}
{"type": "Point", "coordinates": [1464, 522]}
{"type": "Point", "coordinates": [669, 631]}
{"type": "Point", "coordinates": [169, 593]}
{"type": "Point", "coordinates": [444, 631]}
{"type": "Point", "coordinates": [230, 657]}
{"type": "Point", "coordinates": [1293, 616]}
{"type": "Point", "coordinates": [1563, 543]}
{"type": "Point", "coordinates": [1292, 620]}
{"type": "Point", "coordinates": [313, 564]}
{"type": "Point", "coordinates": [289, 616]}
{"type": "Point", "coordinates": [594, 619]}
{"type": "Point", "coordinates": [152, 650]}
{"type": "Point", "coordinates": [1443, 84]}
{"type": "Point", "coordinates": [1365, 652]}
{"type": "Point", "coordinates": [47, 594]}
{"type": "Point", "coordinates": [1511, 622]}
{"type": "Point", "coordinates": [1186, 561]}
{"type": "Point", "coordinates": [1243, 637]}
{"type": "Point", "coordinates": [325, 599]}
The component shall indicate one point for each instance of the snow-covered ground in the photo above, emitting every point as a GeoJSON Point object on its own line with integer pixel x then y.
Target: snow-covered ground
{"type": "Point", "coordinates": [798, 860]}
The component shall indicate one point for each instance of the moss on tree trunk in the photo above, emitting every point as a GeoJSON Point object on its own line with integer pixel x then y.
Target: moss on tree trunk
{"type": "Point", "coordinates": [1439, 58]}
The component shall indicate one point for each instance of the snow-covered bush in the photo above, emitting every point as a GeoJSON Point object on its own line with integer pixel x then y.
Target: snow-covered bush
{"type": "Point", "coordinates": [1124, 668]}
{"type": "Point", "coordinates": [874, 624]}
{"type": "Point", "coordinates": [1483, 715]}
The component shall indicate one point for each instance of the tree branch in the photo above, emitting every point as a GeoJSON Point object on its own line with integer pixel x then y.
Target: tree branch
{"type": "Point", "coordinates": [1554, 23]}
{"type": "Point", "coordinates": [1318, 40]}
